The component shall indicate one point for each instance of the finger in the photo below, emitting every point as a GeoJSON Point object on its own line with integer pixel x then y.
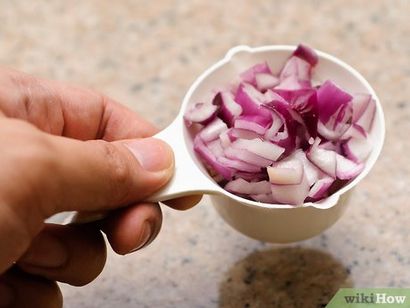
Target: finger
{"type": "Point", "coordinates": [104, 175]}
{"type": "Point", "coordinates": [133, 228]}
{"type": "Point", "coordinates": [76, 176]}
{"type": "Point", "coordinates": [18, 289]}
{"type": "Point", "coordinates": [71, 254]}
{"type": "Point", "coordinates": [183, 203]}
{"type": "Point", "coordinates": [93, 175]}
{"type": "Point", "coordinates": [67, 110]}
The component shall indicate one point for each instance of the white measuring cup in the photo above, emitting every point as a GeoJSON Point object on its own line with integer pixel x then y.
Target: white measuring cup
{"type": "Point", "coordinates": [278, 223]}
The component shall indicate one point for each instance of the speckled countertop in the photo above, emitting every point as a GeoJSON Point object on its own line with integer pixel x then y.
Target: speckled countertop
{"type": "Point", "coordinates": [146, 54]}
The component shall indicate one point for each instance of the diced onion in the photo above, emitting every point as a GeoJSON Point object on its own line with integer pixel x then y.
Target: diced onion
{"type": "Point", "coordinates": [278, 139]}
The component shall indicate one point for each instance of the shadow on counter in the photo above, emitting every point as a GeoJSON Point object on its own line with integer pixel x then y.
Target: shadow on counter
{"type": "Point", "coordinates": [284, 277]}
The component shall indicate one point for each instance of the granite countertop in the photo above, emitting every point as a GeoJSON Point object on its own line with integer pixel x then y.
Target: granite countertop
{"type": "Point", "coordinates": [146, 54]}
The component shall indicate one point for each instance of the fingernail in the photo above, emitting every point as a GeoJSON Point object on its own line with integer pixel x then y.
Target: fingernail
{"type": "Point", "coordinates": [153, 154]}
{"type": "Point", "coordinates": [6, 295]}
{"type": "Point", "coordinates": [146, 233]}
{"type": "Point", "coordinates": [46, 251]}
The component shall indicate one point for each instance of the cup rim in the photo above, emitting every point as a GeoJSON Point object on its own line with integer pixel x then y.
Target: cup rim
{"type": "Point", "coordinates": [331, 200]}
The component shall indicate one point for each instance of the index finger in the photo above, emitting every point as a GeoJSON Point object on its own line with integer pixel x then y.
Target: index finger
{"type": "Point", "coordinates": [69, 111]}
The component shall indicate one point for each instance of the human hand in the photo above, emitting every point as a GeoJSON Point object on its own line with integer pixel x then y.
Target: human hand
{"type": "Point", "coordinates": [64, 148]}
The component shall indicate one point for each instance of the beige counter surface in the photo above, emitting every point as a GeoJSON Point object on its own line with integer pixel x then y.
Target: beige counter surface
{"type": "Point", "coordinates": [146, 54]}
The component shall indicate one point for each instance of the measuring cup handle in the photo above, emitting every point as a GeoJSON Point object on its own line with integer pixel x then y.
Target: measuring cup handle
{"type": "Point", "coordinates": [187, 178]}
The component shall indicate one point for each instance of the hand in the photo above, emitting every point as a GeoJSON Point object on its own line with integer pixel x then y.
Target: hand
{"type": "Point", "coordinates": [64, 148]}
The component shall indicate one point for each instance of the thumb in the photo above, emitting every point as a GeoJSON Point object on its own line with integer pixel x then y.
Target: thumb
{"type": "Point", "coordinates": [78, 176]}
{"type": "Point", "coordinates": [99, 175]}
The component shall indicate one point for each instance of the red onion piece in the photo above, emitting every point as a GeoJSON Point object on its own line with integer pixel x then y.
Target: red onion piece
{"type": "Point", "coordinates": [330, 98]}
{"type": "Point", "coordinates": [238, 165]}
{"type": "Point", "coordinates": [259, 147]}
{"type": "Point", "coordinates": [287, 171]}
{"type": "Point", "coordinates": [312, 172]}
{"type": "Point", "coordinates": [238, 133]}
{"type": "Point", "coordinates": [306, 53]}
{"type": "Point", "coordinates": [325, 160]}
{"type": "Point", "coordinates": [201, 113]}
{"type": "Point", "coordinates": [213, 130]}
{"type": "Point", "coordinates": [357, 149]}
{"type": "Point", "coordinates": [347, 169]}
{"type": "Point", "coordinates": [229, 109]}
{"type": "Point", "coordinates": [249, 76]}
{"type": "Point", "coordinates": [360, 103]}
{"type": "Point", "coordinates": [354, 131]}
{"type": "Point", "coordinates": [320, 189]}
{"type": "Point", "coordinates": [296, 67]}
{"type": "Point", "coordinates": [292, 83]}
{"type": "Point", "coordinates": [225, 139]}
{"type": "Point", "coordinates": [301, 100]}
{"type": "Point", "coordinates": [209, 158]}
{"type": "Point", "coordinates": [246, 156]}
{"type": "Point", "coordinates": [251, 100]}
{"type": "Point", "coordinates": [266, 81]}
{"type": "Point", "coordinates": [216, 148]}
{"type": "Point", "coordinates": [255, 123]}
{"type": "Point", "coordinates": [277, 123]}
{"type": "Point", "coordinates": [366, 119]}
{"type": "Point", "coordinates": [291, 194]}
{"type": "Point", "coordinates": [249, 188]}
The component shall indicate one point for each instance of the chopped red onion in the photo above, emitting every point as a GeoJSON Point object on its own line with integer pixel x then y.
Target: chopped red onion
{"type": "Point", "coordinates": [347, 169]}
{"type": "Point", "coordinates": [330, 98]}
{"type": "Point", "coordinates": [357, 149]}
{"type": "Point", "coordinates": [287, 171]}
{"type": "Point", "coordinates": [246, 156]}
{"type": "Point", "coordinates": [238, 165]}
{"type": "Point", "coordinates": [320, 189]}
{"type": "Point", "coordinates": [291, 194]}
{"type": "Point", "coordinates": [213, 130]}
{"type": "Point", "coordinates": [360, 103]}
{"type": "Point", "coordinates": [277, 139]}
{"type": "Point", "coordinates": [251, 100]}
{"type": "Point", "coordinates": [249, 188]}
{"type": "Point", "coordinates": [260, 147]}
{"type": "Point", "coordinates": [229, 109]}
{"type": "Point", "coordinates": [324, 159]}
{"type": "Point", "coordinates": [307, 54]}
{"type": "Point", "coordinates": [273, 130]}
{"type": "Point", "coordinates": [311, 171]}
{"type": "Point", "coordinates": [225, 139]}
{"type": "Point", "coordinates": [201, 113]}
{"type": "Point", "coordinates": [210, 159]}
{"type": "Point", "coordinates": [366, 119]}
{"type": "Point", "coordinates": [238, 133]}
{"type": "Point", "coordinates": [296, 68]}
{"type": "Point", "coordinates": [216, 148]}
{"type": "Point", "coordinates": [266, 81]}
{"type": "Point", "coordinates": [249, 76]}
{"type": "Point", "coordinates": [255, 123]}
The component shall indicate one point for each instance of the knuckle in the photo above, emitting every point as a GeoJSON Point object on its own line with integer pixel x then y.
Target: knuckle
{"type": "Point", "coordinates": [119, 172]}
{"type": "Point", "coordinates": [29, 160]}
{"type": "Point", "coordinates": [40, 151]}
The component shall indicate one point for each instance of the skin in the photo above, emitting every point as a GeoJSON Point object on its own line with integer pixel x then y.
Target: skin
{"type": "Point", "coordinates": [65, 148]}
